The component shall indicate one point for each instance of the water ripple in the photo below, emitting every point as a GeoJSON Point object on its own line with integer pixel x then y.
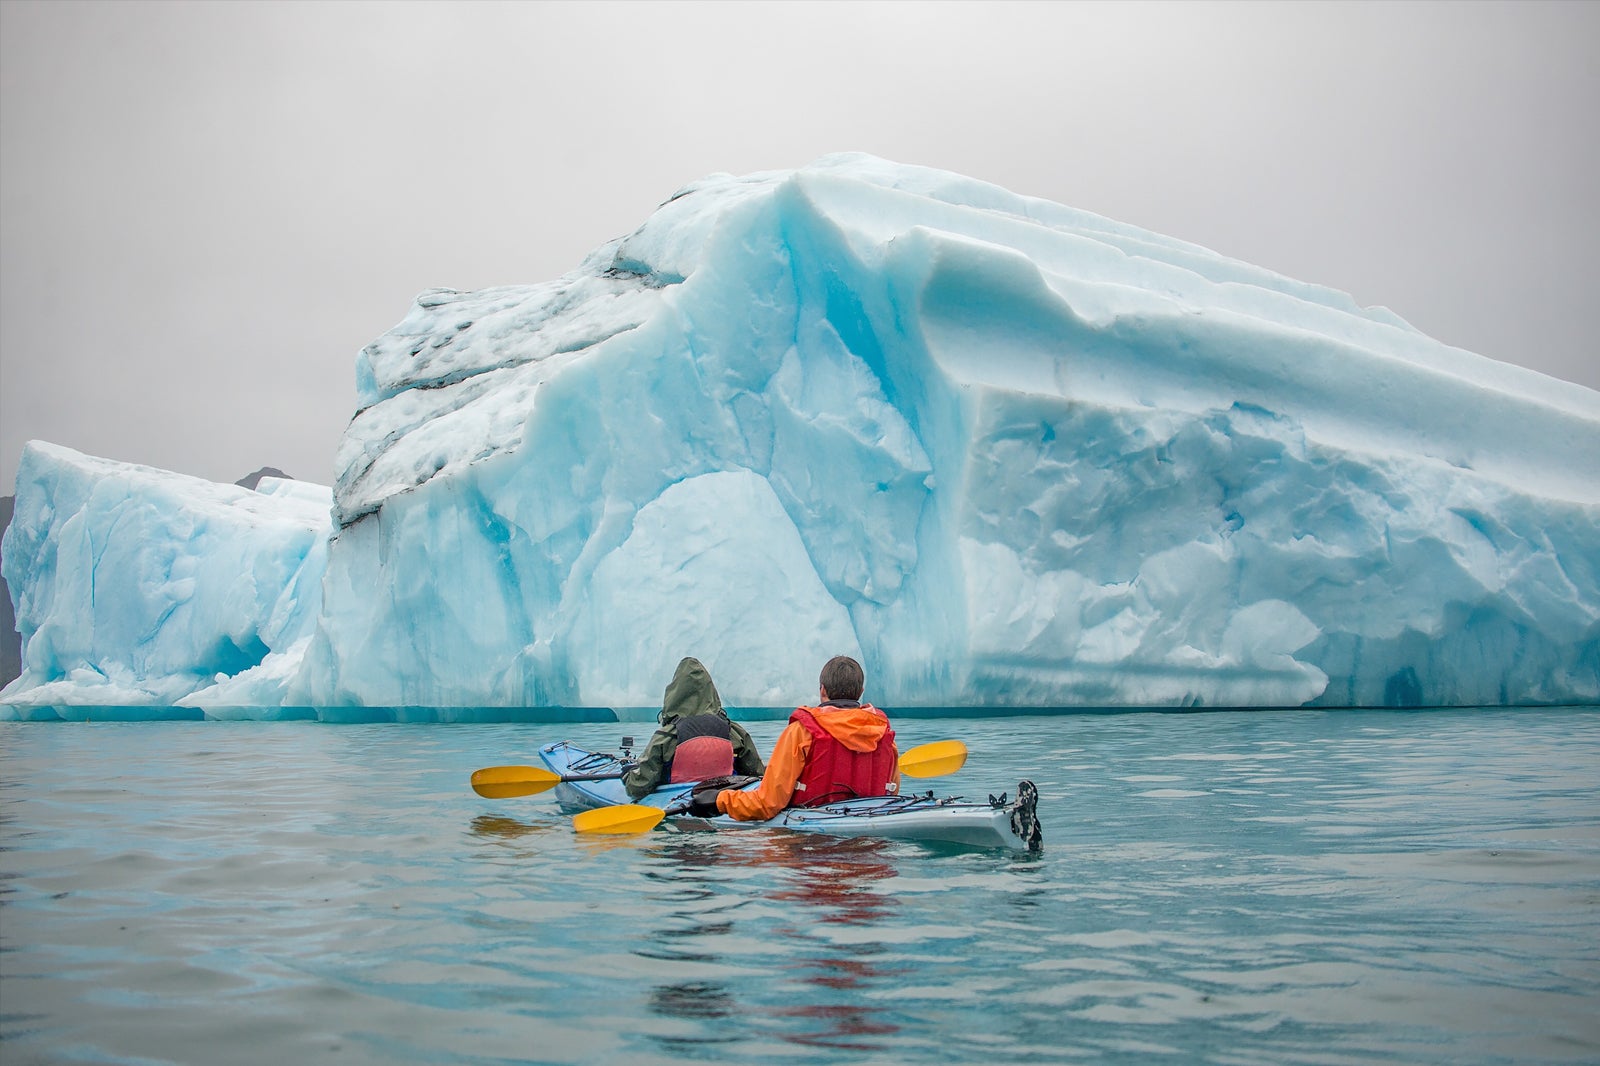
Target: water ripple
{"type": "Point", "coordinates": [1286, 887]}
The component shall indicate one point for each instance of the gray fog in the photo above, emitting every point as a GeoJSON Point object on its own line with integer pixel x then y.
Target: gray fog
{"type": "Point", "coordinates": [206, 209]}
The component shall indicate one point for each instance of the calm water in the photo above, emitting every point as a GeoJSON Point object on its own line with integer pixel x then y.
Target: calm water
{"type": "Point", "coordinates": [1236, 888]}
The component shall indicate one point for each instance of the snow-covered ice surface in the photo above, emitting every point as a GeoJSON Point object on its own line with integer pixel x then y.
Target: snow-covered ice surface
{"type": "Point", "coordinates": [1010, 453]}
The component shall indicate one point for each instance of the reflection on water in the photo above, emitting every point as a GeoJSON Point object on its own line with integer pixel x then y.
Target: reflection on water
{"type": "Point", "coordinates": [813, 880]}
{"type": "Point", "coordinates": [503, 828]}
{"type": "Point", "coordinates": [1238, 889]}
{"type": "Point", "coordinates": [702, 999]}
{"type": "Point", "coordinates": [841, 880]}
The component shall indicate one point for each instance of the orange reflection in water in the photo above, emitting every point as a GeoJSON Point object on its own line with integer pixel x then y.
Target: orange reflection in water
{"type": "Point", "coordinates": [825, 881]}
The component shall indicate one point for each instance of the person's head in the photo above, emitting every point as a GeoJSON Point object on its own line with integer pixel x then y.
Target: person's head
{"type": "Point", "coordinates": [842, 679]}
{"type": "Point", "coordinates": [689, 692]}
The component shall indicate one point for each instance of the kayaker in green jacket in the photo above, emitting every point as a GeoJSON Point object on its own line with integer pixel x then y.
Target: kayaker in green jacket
{"type": "Point", "coordinates": [696, 739]}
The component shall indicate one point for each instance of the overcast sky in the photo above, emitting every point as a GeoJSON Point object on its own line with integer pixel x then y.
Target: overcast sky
{"type": "Point", "coordinates": [206, 209]}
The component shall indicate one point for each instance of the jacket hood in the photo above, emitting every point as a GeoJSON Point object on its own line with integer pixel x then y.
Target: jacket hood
{"type": "Point", "coordinates": [857, 728]}
{"type": "Point", "coordinates": [690, 692]}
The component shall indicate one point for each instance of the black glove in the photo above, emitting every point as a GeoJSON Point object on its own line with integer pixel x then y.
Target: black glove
{"type": "Point", "coordinates": [703, 802]}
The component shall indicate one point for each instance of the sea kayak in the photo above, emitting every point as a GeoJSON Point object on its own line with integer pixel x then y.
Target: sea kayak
{"type": "Point", "coordinates": [996, 823]}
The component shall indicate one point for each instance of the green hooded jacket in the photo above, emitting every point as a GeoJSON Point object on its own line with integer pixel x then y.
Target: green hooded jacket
{"type": "Point", "coordinates": [689, 693]}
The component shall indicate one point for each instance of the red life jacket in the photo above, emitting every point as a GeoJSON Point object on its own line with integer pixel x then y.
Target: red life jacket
{"type": "Point", "coordinates": [833, 772]}
{"type": "Point", "coordinates": [705, 749]}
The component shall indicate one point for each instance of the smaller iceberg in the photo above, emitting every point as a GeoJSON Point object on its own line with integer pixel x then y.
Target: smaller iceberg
{"type": "Point", "coordinates": [141, 587]}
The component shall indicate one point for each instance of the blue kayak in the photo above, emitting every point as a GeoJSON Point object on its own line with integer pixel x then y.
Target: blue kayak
{"type": "Point", "coordinates": [999, 823]}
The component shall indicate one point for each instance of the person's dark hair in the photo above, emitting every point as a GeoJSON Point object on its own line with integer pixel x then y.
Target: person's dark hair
{"type": "Point", "coordinates": [842, 678]}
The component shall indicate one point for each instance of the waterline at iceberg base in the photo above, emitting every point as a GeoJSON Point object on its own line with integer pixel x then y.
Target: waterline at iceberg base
{"type": "Point", "coordinates": [1009, 454]}
{"type": "Point", "coordinates": [635, 723]}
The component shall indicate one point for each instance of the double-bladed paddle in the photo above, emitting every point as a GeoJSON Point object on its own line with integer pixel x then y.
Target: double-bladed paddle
{"type": "Point", "coordinates": [504, 782]}
{"type": "Point", "coordinates": [934, 760]}
{"type": "Point", "coordinates": [926, 760]}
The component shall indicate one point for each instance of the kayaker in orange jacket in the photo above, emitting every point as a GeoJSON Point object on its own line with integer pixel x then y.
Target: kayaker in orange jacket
{"type": "Point", "coordinates": [839, 749]}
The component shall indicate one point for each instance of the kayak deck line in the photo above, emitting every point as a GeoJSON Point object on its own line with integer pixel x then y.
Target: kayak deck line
{"type": "Point", "coordinates": [588, 762]}
{"type": "Point", "coordinates": [891, 805]}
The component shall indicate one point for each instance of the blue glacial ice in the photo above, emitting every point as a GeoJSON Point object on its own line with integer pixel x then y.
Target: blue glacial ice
{"type": "Point", "coordinates": [1007, 452]}
{"type": "Point", "coordinates": [135, 586]}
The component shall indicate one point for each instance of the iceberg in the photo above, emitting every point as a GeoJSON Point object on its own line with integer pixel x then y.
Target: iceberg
{"type": "Point", "coordinates": [141, 587]}
{"type": "Point", "coordinates": [1009, 453]}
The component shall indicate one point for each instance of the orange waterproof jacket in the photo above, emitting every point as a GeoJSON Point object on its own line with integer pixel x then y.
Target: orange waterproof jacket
{"type": "Point", "coordinates": [859, 728]}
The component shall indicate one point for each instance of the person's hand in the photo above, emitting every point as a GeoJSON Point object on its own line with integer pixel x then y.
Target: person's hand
{"type": "Point", "coordinates": [703, 803]}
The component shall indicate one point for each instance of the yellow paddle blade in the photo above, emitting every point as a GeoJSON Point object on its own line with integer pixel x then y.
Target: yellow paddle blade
{"type": "Point", "coordinates": [620, 820]}
{"type": "Point", "coordinates": [934, 760]}
{"type": "Point", "coordinates": [503, 782]}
